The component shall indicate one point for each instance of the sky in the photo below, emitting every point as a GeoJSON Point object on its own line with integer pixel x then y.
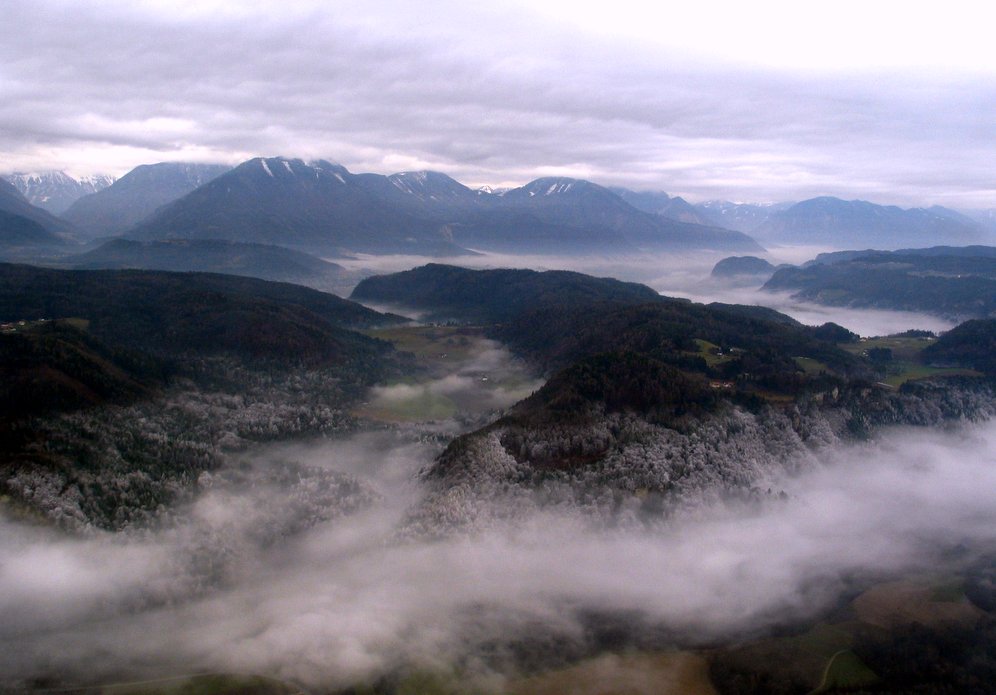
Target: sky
{"type": "Point", "coordinates": [887, 101]}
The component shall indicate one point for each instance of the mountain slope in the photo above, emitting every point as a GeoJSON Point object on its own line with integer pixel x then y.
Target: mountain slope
{"type": "Point", "coordinates": [163, 372]}
{"type": "Point", "coordinates": [743, 217]}
{"type": "Point", "coordinates": [18, 232]}
{"type": "Point", "coordinates": [213, 256]}
{"type": "Point", "coordinates": [56, 366]}
{"type": "Point", "coordinates": [136, 195]}
{"type": "Point", "coordinates": [971, 344]}
{"type": "Point", "coordinates": [660, 203]}
{"type": "Point", "coordinates": [655, 407]}
{"type": "Point", "coordinates": [324, 208]}
{"type": "Point", "coordinates": [23, 224]}
{"type": "Point", "coordinates": [156, 310]}
{"type": "Point", "coordinates": [607, 220]}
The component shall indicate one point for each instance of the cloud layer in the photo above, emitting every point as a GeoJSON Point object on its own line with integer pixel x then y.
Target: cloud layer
{"type": "Point", "coordinates": [346, 600]}
{"type": "Point", "coordinates": [501, 94]}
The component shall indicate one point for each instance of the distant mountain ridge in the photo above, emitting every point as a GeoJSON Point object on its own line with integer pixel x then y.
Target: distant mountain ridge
{"type": "Point", "coordinates": [55, 191]}
{"type": "Point", "coordinates": [322, 207]}
{"type": "Point", "coordinates": [831, 221]}
{"type": "Point", "coordinates": [136, 195]}
{"type": "Point", "coordinates": [671, 207]}
{"type": "Point", "coordinates": [743, 217]}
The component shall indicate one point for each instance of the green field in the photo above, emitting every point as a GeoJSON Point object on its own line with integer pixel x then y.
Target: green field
{"type": "Point", "coordinates": [810, 366]}
{"type": "Point", "coordinates": [453, 373]}
{"type": "Point", "coordinates": [845, 671]}
{"type": "Point", "coordinates": [424, 406]}
{"type": "Point", "coordinates": [432, 346]}
{"type": "Point", "coordinates": [711, 353]}
{"type": "Point", "coordinates": [905, 364]}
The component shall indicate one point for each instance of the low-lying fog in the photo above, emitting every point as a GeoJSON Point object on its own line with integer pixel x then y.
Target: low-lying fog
{"type": "Point", "coordinates": [685, 275]}
{"type": "Point", "coordinates": [238, 587]}
{"type": "Point", "coordinates": [487, 379]}
{"type": "Point", "coordinates": [290, 563]}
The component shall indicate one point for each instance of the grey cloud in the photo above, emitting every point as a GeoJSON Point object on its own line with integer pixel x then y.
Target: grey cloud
{"type": "Point", "coordinates": [482, 93]}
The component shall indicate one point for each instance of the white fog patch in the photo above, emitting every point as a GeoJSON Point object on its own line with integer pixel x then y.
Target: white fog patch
{"type": "Point", "coordinates": [347, 600]}
{"type": "Point", "coordinates": [453, 386]}
{"type": "Point", "coordinates": [488, 379]}
{"type": "Point", "coordinates": [864, 322]}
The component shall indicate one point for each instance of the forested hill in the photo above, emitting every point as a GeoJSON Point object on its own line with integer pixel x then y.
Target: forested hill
{"type": "Point", "coordinates": [173, 313]}
{"type": "Point", "coordinates": [725, 342]}
{"type": "Point", "coordinates": [120, 388]}
{"type": "Point", "coordinates": [948, 284]}
{"type": "Point", "coordinates": [653, 405]}
{"type": "Point", "coordinates": [494, 296]}
{"type": "Point", "coordinates": [556, 318]}
{"type": "Point", "coordinates": [971, 344]}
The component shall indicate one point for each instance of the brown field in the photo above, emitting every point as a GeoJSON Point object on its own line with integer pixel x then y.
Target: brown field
{"type": "Point", "coordinates": [671, 673]}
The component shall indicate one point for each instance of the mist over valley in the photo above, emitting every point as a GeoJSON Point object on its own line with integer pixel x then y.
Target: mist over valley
{"type": "Point", "coordinates": [497, 348]}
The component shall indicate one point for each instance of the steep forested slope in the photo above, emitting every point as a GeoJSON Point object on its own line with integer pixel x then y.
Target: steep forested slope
{"type": "Point", "coordinates": [120, 388]}
{"type": "Point", "coordinates": [971, 344]}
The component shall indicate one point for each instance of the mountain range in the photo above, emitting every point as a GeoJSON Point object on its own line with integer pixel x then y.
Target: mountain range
{"type": "Point", "coordinates": [826, 221]}
{"type": "Point", "coordinates": [743, 217]}
{"type": "Point", "coordinates": [672, 207]}
{"type": "Point", "coordinates": [848, 223]}
{"type": "Point", "coordinates": [322, 207]}
{"type": "Point", "coordinates": [55, 191]}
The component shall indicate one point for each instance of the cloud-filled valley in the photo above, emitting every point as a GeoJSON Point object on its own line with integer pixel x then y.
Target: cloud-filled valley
{"type": "Point", "coordinates": [304, 390]}
{"type": "Point", "coordinates": [342, 599]}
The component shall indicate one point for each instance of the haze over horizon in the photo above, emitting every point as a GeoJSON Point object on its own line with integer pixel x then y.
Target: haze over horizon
{"type": "Point", "coordinates": [889, 104]}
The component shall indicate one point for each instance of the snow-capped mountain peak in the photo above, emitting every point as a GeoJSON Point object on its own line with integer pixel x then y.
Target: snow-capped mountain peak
{"type": "Point", "coordinates": [55, 191]}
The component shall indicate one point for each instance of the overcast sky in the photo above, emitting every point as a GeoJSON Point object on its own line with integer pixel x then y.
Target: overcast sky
{"type": "Point", "coordinates": [888, 101]}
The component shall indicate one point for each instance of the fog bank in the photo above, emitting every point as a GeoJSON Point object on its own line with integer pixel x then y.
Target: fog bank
{"type": "Point", "coordinates": [302, 577]}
